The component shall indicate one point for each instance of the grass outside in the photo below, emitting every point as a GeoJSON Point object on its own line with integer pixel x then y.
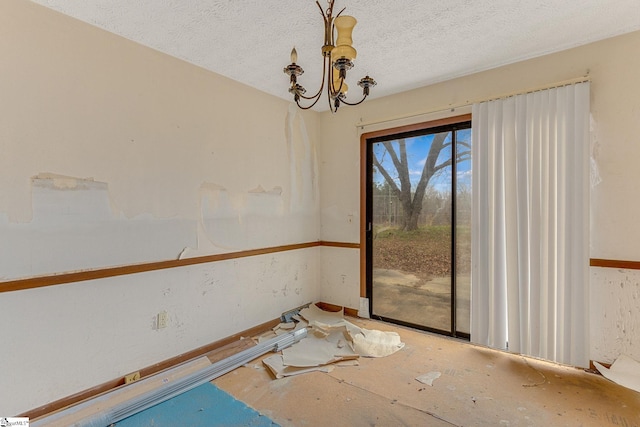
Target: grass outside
{"type": "Point", "coordinates": [425, 252]}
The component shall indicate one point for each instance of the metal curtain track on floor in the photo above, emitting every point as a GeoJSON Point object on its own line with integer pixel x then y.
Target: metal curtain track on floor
{"type": "Point", "coordinates": [182, 385]}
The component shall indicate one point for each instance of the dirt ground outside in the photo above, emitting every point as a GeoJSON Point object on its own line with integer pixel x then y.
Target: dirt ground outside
{"type": "Point", "coordinates": [412, 276]}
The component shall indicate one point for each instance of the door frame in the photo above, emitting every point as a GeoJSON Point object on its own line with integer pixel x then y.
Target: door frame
{"type": "Point", "coordinates": [366, 236]}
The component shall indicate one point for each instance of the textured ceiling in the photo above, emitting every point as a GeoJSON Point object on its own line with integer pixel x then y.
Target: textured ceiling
{"type": "Point", "coordinates": [402, 44]}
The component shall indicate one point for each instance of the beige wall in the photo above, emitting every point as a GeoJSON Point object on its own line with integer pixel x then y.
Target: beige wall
{"type": "Point", "coordinates": [111, 154]}
{"type": "Point", "coordinates": [612, 66]}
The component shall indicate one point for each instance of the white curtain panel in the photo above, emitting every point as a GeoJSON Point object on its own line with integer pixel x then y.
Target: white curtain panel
{"type": "Point", "coordinates": [530, 238]}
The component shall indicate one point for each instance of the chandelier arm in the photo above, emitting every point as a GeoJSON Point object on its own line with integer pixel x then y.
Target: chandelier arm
{"type": "Point", "coordinates": [315, 100]}
{"type": "Point", "coordinates": [321, 9]}
{"type": "Point", "coordinates": [324, 72]}
{"type": "Point", "coordinates": [314, 96]}
{"type": "Point", "coordinates": [332, 95]}
{"type": "Point", "coordinates": [332, 98]}
{"type": "Point", "coordinates": [318, 93]}
{"type": "Point", "coordinates": [311, 97]}
{"type": "Point", "coordinates": [356, 103]}
{"type": "Point", "coordinates": [308, 107]}
{"type": "Point", "coordinates": [330, 89]}
{"type": "Point", "coordinates": [329, 98]}
{"type": "Point", "coordinates": [337, 91]}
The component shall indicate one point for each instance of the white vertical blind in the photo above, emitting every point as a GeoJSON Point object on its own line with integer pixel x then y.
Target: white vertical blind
{"type": "Point", "coordinates": [530, 242]}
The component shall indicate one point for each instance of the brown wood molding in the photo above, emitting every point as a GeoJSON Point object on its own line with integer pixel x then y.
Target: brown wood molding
{"type": "Point", "coordinates": [101, 273]}
{"type": "Point", "coordinates": [593, 369]}
{"type": "Point", "coordinates": [80, 276]}
{"type": "Point", "coordinates": [417, 126]}
{"type": "Point", "coordinates": [148, 371]}
{"type": "Point", "coordinates": [352, 312]}
{"type": "Point", "coordinates": [614, 263]}
{"type": "Point", "coordinates": [340, 244]}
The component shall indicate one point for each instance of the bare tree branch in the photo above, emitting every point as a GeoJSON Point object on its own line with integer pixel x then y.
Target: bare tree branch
{"type": "Point", "coordinates": [385, 174]}
{"type": "Point", "coordinates": [411, 201]}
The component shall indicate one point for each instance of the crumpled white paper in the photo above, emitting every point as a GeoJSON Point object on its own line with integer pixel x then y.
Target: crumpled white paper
{"type": "Point", "coordinates": [624, 371]}
{"type": "Point", "coordinates": [429, 378]}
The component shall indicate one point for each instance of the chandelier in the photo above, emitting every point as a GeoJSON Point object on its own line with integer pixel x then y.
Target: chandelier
{"type": "Point", "coordinates": [338, 56]}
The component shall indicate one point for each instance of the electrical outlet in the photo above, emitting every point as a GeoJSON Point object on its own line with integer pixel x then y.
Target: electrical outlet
{"type": "Point", "coordinates": [163, 320]}
{"type": "Point", "coordinates": [132, 377]}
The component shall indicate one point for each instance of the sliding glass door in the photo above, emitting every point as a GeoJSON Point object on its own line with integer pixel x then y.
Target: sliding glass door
{"type": "Point", "coordinates": [419, 227]}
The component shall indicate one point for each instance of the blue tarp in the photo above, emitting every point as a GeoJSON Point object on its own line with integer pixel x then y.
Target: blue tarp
{"type": "Point", "coordinates": [203, 406]}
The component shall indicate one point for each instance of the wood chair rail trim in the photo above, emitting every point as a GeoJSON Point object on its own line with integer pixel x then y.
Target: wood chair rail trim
{"type": "Point", "coordinates": [102, 273]}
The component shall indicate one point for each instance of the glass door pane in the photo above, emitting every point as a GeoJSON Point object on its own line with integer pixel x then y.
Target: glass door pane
{"type": "Point", "coordinates": [411, 221]}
